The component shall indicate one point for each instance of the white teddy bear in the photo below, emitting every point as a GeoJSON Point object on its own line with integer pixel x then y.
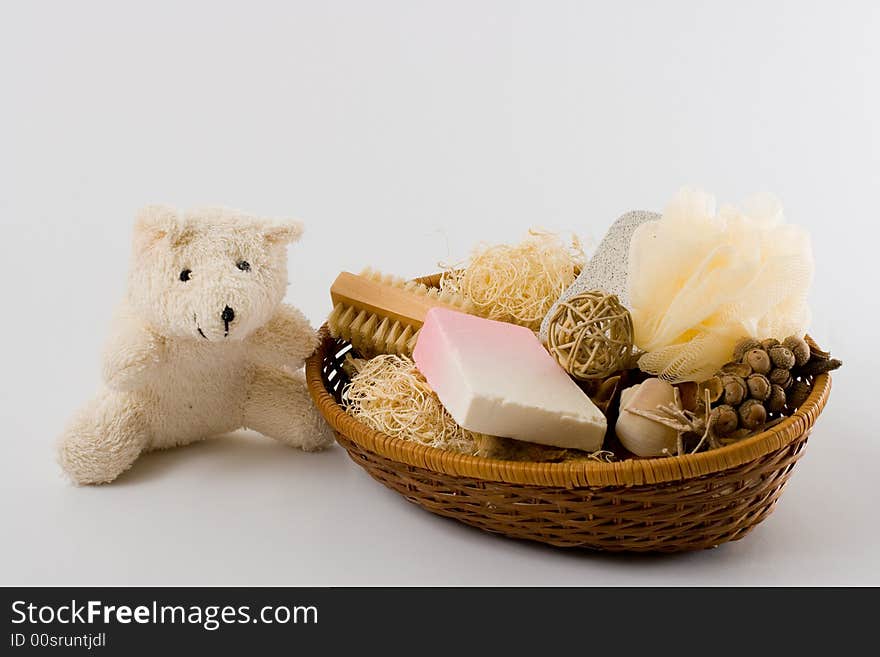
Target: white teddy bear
{"type": "Point", "coordinates": [202, 345]}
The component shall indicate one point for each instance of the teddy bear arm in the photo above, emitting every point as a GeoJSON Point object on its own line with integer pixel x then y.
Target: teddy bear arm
{"type": "Point", "coordinates": [286, 340]}
{"type": "Point", "coordinates": [279, 406]}
{"type": "Point", "coordinates": [131, 356]}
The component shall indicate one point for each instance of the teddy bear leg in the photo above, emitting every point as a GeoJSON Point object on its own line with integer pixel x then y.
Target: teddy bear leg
{"type": "Point", "coordinates": [278, 405]}
{"type": "Point", "coordinates": [103, 439]}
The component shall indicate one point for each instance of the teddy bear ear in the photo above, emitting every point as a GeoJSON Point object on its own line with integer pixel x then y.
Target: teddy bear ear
{"type": "Point", "coordinates": [283, 232]}
{"type": "Point", "coordinates": [152, 224]}
{"type": "Point", "coordinates": [155, 223]}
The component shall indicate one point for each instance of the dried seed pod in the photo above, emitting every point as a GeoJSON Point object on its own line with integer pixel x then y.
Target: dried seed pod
{"type": "Point", "coordinates": [758, 360]}
{"type": "Point", "coordinates": [715, 386]}
{"type": "Point", "coordinates": [799, 349]}
{"type": "Point", "coordinates": [817, 367]}
{"type": "Point", "coordinates": [605, 393]}
{"type": "Point", "coordinates": [768, 343]}
{"type": "Point", "coordinates": [775, 403]}
{"type": "Point", "coordinates": [782, 357]}
{"type": "Point", "coordinates": [737, 369]}
{"type": "Point", "coordinates": [743, 346]}
{"type": "Point", "coordinates": [752, 414]}
{"type": "Point", "coordinates": [797, 394]}
{"type": "Point", "coordinates": [780, 377]}
{"type": "Point", "coordinates": [735, 389]}
{"type": "Point", "coordinates": [759, 387]}
{"type": "Point", "coordinates": [691, 394]}
{"type": "Point", "coordinates": [724, 419]}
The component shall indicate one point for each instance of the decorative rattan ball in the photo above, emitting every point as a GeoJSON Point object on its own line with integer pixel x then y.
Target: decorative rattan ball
{"type": "Point", "coordinates": [591, 335]}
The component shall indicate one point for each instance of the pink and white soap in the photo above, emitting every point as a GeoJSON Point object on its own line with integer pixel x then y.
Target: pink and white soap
{"type": "Point", "coordinates": [497, 378]}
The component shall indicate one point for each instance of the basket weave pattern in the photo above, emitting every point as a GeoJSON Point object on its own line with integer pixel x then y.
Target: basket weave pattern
{"type": "Point", "coordinates": [688, 515]}
{"type": "Point", "coordinates": [640, 505]}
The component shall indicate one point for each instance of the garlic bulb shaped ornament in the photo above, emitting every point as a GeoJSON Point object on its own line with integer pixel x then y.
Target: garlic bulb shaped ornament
{"type": "Point", "coordinates": [640, 435]}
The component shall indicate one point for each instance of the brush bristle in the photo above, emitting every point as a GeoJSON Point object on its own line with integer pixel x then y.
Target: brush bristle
{"type": "Point", "coordinates": [414, 287]}
{"type": "Point", "coordinates": [373, 334]}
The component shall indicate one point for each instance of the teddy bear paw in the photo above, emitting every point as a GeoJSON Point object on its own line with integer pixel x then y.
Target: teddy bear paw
{"type": "Point", "coordinates": [86, 464]}
{"type": "Point", "coordinates": [320, 438]}
{"type": "Point", "coordinates": [102, 441]}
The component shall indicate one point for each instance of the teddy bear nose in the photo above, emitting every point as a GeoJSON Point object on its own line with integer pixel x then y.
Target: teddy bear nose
{"type": "Point", "coordinates": [227, 315]}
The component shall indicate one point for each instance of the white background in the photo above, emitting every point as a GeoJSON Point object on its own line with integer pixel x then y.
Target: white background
{"type": "Point", "coordinates": [403, 133]}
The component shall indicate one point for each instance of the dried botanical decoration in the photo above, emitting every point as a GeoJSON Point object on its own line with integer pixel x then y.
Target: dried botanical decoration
{"type": "Point", "coordinates": [591, 336]}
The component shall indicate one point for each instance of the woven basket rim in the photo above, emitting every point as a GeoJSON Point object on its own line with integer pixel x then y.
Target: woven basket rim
{"type": "Point", "coordinates": [572, 474]}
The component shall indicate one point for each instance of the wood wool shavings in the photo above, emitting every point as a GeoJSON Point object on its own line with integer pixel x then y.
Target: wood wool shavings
{"type": "Point", "coordinates": [517, 283]}
{"type": "Point", "coordinates": [390, 395]}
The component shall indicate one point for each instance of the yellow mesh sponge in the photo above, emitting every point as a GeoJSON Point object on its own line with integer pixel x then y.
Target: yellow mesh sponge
{"type": "Point", "coordinates": [699, 280]}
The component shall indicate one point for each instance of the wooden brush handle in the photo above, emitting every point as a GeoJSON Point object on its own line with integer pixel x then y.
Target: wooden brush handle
{"type": "Point", "coordinates": [407, 306]}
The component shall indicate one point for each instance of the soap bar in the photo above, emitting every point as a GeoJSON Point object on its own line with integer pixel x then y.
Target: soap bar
{"type": "Point", "coordinates": [497, 378]}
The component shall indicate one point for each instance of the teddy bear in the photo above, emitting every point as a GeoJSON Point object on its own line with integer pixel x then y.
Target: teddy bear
{"type": "Point", "coordinates": [200, 346]}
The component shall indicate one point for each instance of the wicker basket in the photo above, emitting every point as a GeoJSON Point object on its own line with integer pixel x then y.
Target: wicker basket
{"type": "Point", "coordinates": [639, 505]}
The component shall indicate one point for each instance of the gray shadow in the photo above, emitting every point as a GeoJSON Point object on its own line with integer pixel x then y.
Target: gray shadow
{"type": "Point", "coordinates": [229, 454]}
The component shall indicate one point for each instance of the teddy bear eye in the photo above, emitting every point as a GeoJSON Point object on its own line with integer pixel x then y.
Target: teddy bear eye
{"type": "Point", "coordinates": [184, 275]}
{"type": "Point", "coordinates": [244, 265]}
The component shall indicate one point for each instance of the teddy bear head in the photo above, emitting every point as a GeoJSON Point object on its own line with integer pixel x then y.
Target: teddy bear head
{"type": "Point", "coordinates": [209, 274]}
